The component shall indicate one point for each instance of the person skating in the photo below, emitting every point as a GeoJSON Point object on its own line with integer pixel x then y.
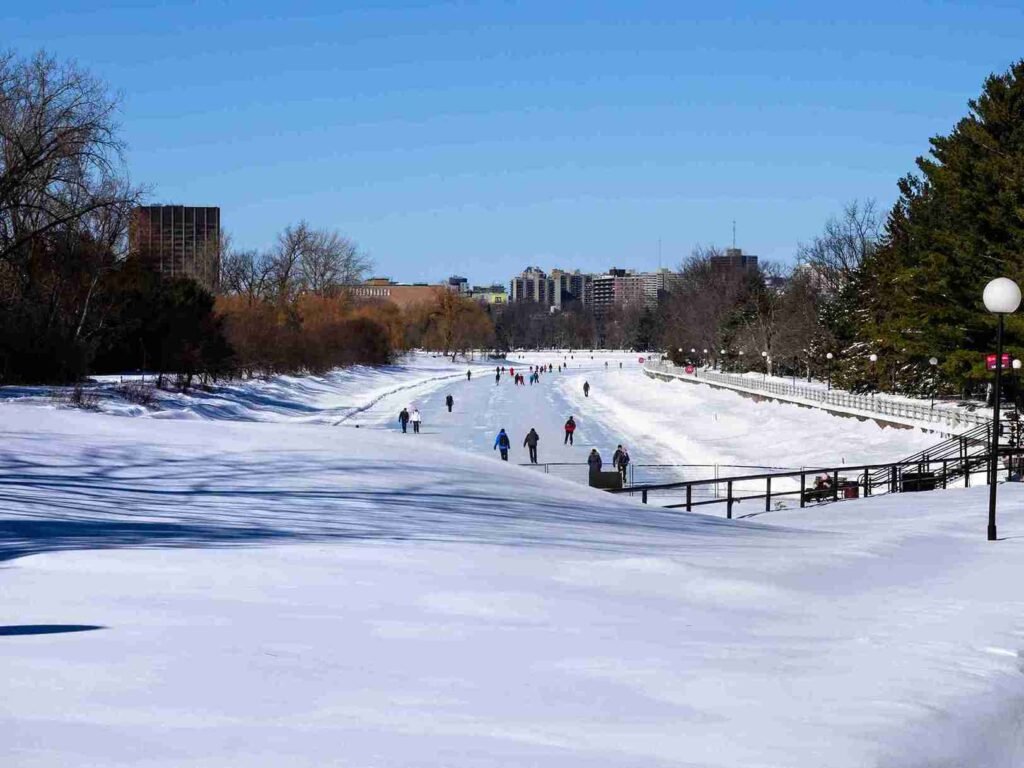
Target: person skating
{"type": "Point", "coordinates": [497, 378]}
{"type": "Point", "coordinates": [403, 419]}
{"type": "Point", "coordinates": [469, 375]}
{"type": "Point", "coordinates": [620, 460]}
{"type": "Point", "coordinates": [502, 444]}
{"type": "Point", "coordinates": [416, 419]}
{"type": "Point", "coordinates": [570, 427]}
{"type": "Point", "coordinates": [586, 389]}
{"type": "Point", "coordinates": [531, 442]}
{"type": "Point", "coordinates": [594, 461]}
{"type": "Point", "coordinates": [449, 401]}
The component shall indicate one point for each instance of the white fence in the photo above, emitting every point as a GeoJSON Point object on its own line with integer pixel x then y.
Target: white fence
{"type": "Point", "coordinates": [955, 420]}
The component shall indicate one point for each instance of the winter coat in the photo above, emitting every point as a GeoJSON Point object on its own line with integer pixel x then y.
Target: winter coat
{"type": "Point", "coordinates": [449, 401]}
{"type": "Point", "coordinates": [616, 457]}
{"type": "Point", "coordinates": [502, 441]}
{"type": "Point", "coordinates": [594, 460]}
{"type": "Point", "coordinates": [404, 416]}
{"type": "Point", "coordinates": [416, 417]}
{"type": "Point", "coordinates": [531, 438]}
{"type": "Point", "coordinates": [570, 426]}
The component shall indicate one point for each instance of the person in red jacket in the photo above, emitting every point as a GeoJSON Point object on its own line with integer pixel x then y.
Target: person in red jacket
{"type": "Point", "coordinates": [570, 427]}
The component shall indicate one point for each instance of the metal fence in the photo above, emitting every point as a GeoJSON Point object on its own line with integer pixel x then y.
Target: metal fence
{"type": "Point", "coordinates": [828, 484]}
{"type": "Point", "coordinates": [881, 405]}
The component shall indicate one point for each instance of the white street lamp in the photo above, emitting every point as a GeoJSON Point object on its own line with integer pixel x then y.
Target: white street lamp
{"type": "Point", "coordinates": [933, 361]}
{"type": "Point", "coordinates": [1001, 297]}
{"type": "Point", "coordinates": [828, 356]}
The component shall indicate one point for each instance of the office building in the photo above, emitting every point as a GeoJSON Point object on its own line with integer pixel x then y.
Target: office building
{"type": "Point", "coordinates": [402, 294]}
{"type": "Point", "coordinates": [734, 261]}
{"type": "Point", "coordinates": [178, 241]}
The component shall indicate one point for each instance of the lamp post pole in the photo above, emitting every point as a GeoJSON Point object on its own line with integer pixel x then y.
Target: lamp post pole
{"type": "Point", "coordinates": [721, 359]}
{"type": "Point", "coordinates": [933, 361]}
{"type": "Point", "coordinates": [1001, 297]}
{"type": "Point", "coordinates": [874, 376]}
{"type": "Point", "coordinates": [764, 355]}
{"type": "Point", "coordinates": [994, 450]}
{"type": "Point", "coordinates": [829, 358]}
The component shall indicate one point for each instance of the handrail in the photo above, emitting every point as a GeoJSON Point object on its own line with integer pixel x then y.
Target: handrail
{"type": "Point", "coordinates": [895, 480]}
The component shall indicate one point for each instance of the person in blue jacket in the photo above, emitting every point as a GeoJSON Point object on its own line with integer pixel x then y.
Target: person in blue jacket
{"type": "Point", "coordinates": [502, 443]}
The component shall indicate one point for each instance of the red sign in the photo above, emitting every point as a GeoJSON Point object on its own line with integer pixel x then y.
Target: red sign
{"type": "Point", "coordinates": [689, 369]}
{"type": "Point", "coordinates": [990, 361]}
{"type": "Point", "coordinates": [641, 361]}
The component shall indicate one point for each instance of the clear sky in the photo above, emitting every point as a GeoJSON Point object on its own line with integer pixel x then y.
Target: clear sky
{"type": "Point", "coordinates": [479, 137]}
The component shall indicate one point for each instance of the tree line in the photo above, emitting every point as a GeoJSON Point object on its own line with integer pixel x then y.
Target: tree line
{"type": "Point", "coordinates": [74, 300]}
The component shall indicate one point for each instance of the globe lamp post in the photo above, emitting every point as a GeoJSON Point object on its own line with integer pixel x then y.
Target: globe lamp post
{"type": "Point", "coordinates": [829, 358]}
{"type": "Point", "coordinates": [1001, 297]}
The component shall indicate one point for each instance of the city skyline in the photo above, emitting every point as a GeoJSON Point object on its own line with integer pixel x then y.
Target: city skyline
{"type": "Point", "coordinates": [436, 135]}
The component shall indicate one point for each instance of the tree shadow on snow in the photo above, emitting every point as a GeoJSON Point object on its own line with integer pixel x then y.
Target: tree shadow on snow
{"type": "Point", "coordinates": [13, 630]}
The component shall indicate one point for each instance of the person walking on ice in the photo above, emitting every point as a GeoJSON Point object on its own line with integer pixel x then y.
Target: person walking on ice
{"type": "Point", "coordinates": [416, 419]}
{"type": "Point", "coordinates": [403, 419]}
{"type": "Point", "coordinates": [570, 427]}
{"type": "Point", "coordinates": [449, 401]}
{"type": "Point", "coordinates": [469, 375]}
{"type": "Point", "coordinates": [620, 460]}
{"type": "Point", "coordinates": [531, 442]}
{"type": "Point", "coordinates": [586, 389]}
{"type": "Point", "coordinates": [497, 378]}
{"type": "Point", "coordinates": [502, 444]}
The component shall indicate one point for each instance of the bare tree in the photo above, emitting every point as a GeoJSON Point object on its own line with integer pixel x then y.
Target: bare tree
{"type": "Point", "coordinates": [329, 261]}
{"type": "Point", "coordinates": [837, 253]}
{"type": "Point", "coordinates": [247, 274]}
{"type": "Point", "coordinates": [61, 160]}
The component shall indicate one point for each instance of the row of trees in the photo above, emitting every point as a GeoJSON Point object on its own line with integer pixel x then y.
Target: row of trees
{"type": "Point", "coordinates": [74, 301]}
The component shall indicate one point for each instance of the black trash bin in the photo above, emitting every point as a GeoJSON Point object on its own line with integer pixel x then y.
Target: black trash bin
{"type": "Point", "coordinates": [917, 481]}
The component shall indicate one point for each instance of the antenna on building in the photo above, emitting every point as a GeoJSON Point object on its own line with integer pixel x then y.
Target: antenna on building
{"type": "Point", "coordinates": [659, 253]}
{"type": "Point", "coordinates": [734, 234]}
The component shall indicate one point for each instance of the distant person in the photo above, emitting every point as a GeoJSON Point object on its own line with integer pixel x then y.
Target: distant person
{"type": "Point", "coordinates": [449, 401]}
{"type": "Point", "coordinates": [531, 442]}
{"type": "Point", "coordinates": [512, 372]}
{"type": "Point", "coordinates": [416, 419]}
{"type": "Point", "coordinates": [497, 378]}
{"type": "Point", "coordinates": [620, 460]}
{"type": "Point", "coordinates": [620, 364]}
{"type": "Point", "coordinates": [403, 419]}
{"type": "Point", "coordinates": [497, 369]}
{"type": "Point", "coordinates": [594, 461]}
{"type": "Point", "coordinates": [502, 444]}
{"type": "Point", "coordinates": [469, 375]}
{"type": "Point", "coordinates": [570, 428]}
{"type": "Point", "coordinates": [605, 363]}
{"type": "Point", "coordinates": [586, 389]}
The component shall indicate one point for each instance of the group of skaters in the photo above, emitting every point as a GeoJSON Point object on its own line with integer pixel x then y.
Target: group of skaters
{"type": "Point", "coordinates": [620, 459]}
{"type": "Point", "coordinates": [520, 379]}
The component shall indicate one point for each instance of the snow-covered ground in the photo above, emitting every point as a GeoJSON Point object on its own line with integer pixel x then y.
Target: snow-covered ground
{"type": "Point", "coordinates": [297, 583]}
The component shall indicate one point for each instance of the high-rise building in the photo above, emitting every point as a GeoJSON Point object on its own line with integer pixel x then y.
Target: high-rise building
{"type": "Point", "coordinates": [734, 261]}
{"type": "Point", "coordinates": [178, 241]}
{"type": "Point", "coordinates": [571, 287]}
{"type": "Point", "coordinates": [657, 284]}
{"type": "Point", "coordinates": [532, 285]}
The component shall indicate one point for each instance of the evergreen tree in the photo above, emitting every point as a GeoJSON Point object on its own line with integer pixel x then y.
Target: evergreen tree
{"type": "Point", "coordinates": [958, 223]}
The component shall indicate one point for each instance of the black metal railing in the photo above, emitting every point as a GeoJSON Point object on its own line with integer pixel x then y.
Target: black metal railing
{"type": "Point", "coordinates": [829, 484]}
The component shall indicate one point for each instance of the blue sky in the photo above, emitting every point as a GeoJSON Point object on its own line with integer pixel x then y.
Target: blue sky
{"type": "Point", "coordinates": [479, 137]}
